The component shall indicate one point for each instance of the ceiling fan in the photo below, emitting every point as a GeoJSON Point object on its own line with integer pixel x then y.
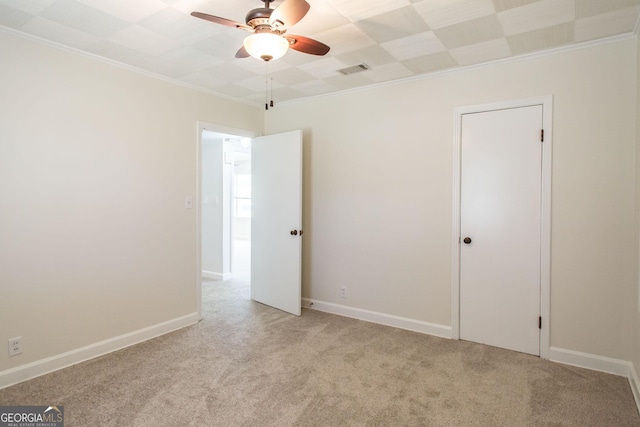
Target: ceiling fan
{"type": "Point", "coordinates": [269, 41]}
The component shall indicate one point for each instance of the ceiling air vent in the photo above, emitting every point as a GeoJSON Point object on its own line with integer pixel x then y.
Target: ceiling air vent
{"type": "Point", "coordinates": [355, 69]}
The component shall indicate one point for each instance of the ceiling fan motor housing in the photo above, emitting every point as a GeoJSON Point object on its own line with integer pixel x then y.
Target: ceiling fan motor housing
{"type": "Point", "coordinates": [258, 17]}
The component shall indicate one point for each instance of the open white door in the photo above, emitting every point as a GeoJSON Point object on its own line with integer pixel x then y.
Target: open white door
{"type": "Point", "coordinates": [276, 220]}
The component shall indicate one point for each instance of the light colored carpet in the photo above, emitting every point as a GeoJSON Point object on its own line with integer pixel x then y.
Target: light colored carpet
{"type": "Point", "coordinates": [250, 365]}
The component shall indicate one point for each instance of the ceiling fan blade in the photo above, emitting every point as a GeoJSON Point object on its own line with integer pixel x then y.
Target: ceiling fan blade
{"type": "Point", "coordinates": [289, 13]}
{"type": "Point", "coordinates": [242, 53]}
{"type": "Point", "coordinates": [221, 21]}
{"type": "Point", "coordinates": [307, 45]}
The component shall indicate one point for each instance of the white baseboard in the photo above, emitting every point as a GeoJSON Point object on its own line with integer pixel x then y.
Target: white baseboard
{"type": "Point", "coordinates": [40, 367]}
{"type": "Point", "coordinates": [381, 318]}
{"type": "Point", "coordinates": [599, 363]}
{"type": "Point", "coordinates": [634, 382]}
{"type": "Point", "coordinates": [216, 276]}
{"type": "Point", "coordinates": [591, 361]}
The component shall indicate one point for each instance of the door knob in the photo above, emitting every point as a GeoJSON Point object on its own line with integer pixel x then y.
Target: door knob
{"type": "Point", "coordinates": [467, 240]}
{"type": "Point", "coordinates": [294, 232]}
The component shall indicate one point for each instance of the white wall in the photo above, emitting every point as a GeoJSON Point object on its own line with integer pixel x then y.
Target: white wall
{"type": "Point", "coordinates": [378, 191]}
{"type": "Point", "coordinates": [226, 201]}
{"type": "Point", "coordinates": [242, 226]}
{"type": "Point", "coordinates": [95, 164]}
{"type": "Point", "coordinates": [212, 237]}
{"type": "Point", "coordinates": [216, 213]}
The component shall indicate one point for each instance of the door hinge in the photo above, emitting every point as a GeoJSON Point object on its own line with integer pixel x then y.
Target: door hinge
{"type": "Point", "coordinates": [540, 322]}
{"type": "Point", "coordinates": [541, 135]}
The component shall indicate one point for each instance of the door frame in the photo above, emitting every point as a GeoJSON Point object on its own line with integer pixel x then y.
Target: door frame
{"type": "Point", "coordinates": [202, 126]}
{"type": "Point", "coordinates": [545, 236]}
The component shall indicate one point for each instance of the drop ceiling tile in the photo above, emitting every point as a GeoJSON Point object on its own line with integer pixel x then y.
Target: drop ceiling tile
{"type": "Point", "coordinates": [544, 38]}
{"type": "Point", "coordinates": [182, 28]}
{"type": "Point", "coordinates": [388, 72]}
{"type": "Point", "coordinates": [291, 76]}
{"type": "Point", "coordinates": [443, 13]}
{"type": "Point", "coordinates": [372, 56]}
{"type": "Point", "coordinates": [608, 24]}
{"type": "Point", "coordinates": [470, 32]}
{"type": "Point", "coordinates": [190, 57]}
{"type": "Point", "coordinates": [223, 45]}
{"type": "Point", "coordinates": [345, 38]}
{"type": "Point", "coordinates": [350, 81]}
{"type": "Point", "coordinates": [260, 84]}
{"type": "Point", "coordinates": [33, 7]}
{"type": "Point", "coordinates": [58, 33]}
{"type": "Point", "coordinates": [321, 68]}
{"type": "Point", "coordinates": [293, 58]}
{"type": "Point", "coordinates": [143, 40]}
{"type": "Point", "coordinates": [234, 10]}
{"type": "Point", "coordinates": [413, 46]}
{"type": "Point", "coordinates": [430, 63]}
{"type": "Point", "coordinates": [13, 18]}
{"type": "Point", "coordinates": [228, 72]}
{"type": "Point", "coordinates": [315, 87]}
{"type": "Point", "coordinates": [393, 25]}
{"type": "Point", "coordinates": [541, 14]}
{"type": "Point", "coordinates": [357, 10]}
{"type": "Point", "coordinates": [588, 8]}
{"type": "Point", "coordinates": [127, 10]}
{"type": "Point", "coordinates": [501, 5]}
{"type": "Point", "coordinates": [84, 18]}
{"type": "Point", "coordinates": [321, 17]}
{"type": "Point", "coordinates": [481, 52]}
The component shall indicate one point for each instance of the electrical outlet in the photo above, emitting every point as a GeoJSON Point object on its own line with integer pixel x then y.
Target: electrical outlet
{"type": "Point", "coordinates": [343, 291]}
{"type": "Point", "coordinates": [15, 346]}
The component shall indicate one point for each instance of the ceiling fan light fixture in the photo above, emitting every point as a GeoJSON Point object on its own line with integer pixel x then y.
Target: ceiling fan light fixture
{"type": "Point", "coordinates": [266, 46]}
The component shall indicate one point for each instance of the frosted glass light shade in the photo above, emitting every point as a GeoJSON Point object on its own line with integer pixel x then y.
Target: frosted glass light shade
{"type": "Point", "coordinates": [266, 46]}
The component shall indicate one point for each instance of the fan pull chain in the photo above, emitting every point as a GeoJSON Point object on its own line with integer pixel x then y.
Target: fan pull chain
{"type": "Point", "coordinates": [267, 93]}
{"type": "Point", "coordinates": [271, 103]}
{"type": "Point", "coordinates": [266, 86]}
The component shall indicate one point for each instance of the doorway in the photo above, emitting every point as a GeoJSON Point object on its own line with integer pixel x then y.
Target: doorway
{"type": "Point", "coordinates": [502, 236]}
{"type": "Point", "coordinates": [226, 206]}
{"type": "Point", "coordinates": [219, 148]}
{"type": "Point", "coordinates": [276, 218]}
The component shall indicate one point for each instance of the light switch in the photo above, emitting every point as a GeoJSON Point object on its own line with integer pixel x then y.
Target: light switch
{"type": "Point", "coordinates": [188, 202]}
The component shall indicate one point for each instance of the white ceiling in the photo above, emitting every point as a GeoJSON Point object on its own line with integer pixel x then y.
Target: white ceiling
{"type": "Point", "coordinates": [396, 38]}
